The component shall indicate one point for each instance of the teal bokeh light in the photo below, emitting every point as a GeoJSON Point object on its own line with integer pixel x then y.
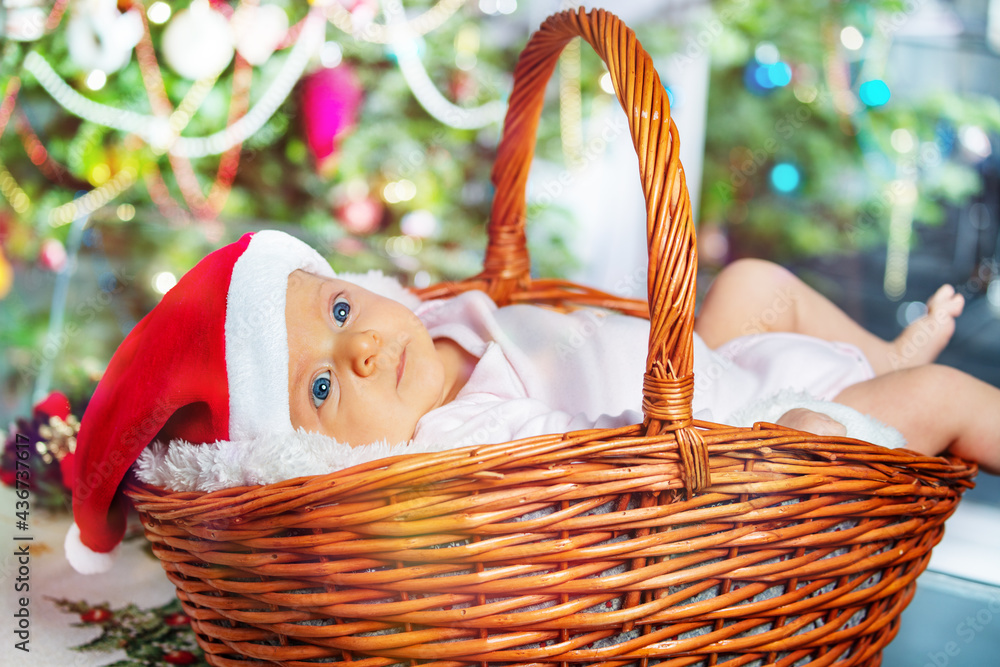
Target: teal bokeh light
{"type": "Point", "coordinates": [780, 74]}
{"type": "Point", "coordinates": [785, 177]}
{"type": "Point", "coordinates": [874, 93]}
{"type": "Point", "coordinates": [763, 78]}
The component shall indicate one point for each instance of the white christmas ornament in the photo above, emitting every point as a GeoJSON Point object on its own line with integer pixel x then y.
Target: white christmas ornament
{"type": "Point", "coordinates": [100, 37]}
{"type": "Point", "coordinates": [258, 30]}
{"type": "Point", "coordinates": [405, 46]}
{"type": "Point", "coordinates": [22, 20]}
{"type": "Point", "coordinates": [157, 131]}
{"type": "Point", "coordinates": [198, 42]}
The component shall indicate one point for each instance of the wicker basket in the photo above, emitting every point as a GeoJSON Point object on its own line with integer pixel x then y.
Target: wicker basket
{"type": "Point", "coordinates": [673, 542]}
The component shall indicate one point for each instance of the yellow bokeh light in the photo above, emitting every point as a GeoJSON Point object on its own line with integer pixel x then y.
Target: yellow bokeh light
{"type": "Point", "coordinates": [99, 174]}
{"type": "Point", "coordinates": [125, 212]}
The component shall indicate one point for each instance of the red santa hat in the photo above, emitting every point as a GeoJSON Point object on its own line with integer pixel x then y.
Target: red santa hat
{"type": "Point", "coordinates": [209, 363]}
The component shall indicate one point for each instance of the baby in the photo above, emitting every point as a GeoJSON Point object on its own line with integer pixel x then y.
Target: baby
{"type": "Point", "coordinates": [261, 340]}
{"type": "Point", "coordinates": [363, 367]}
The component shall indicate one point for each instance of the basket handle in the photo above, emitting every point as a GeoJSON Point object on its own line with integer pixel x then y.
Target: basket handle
{"type": "Point", "coordinates": [668, 384]}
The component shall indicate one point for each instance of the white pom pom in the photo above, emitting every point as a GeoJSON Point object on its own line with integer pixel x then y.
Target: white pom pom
{"type": "Point", "coordinates": [84, 559]}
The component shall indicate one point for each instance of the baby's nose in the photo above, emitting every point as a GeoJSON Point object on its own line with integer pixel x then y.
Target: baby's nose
{"type": "Point", "coordinates": [364, 350]}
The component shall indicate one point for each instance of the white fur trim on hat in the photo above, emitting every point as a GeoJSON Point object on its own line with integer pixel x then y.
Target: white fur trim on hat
{"type": "Point", "coordinates": [182, 466]}
{"type": "Point", "coordinates": [256, 337]}
{"type": "Point", "coordinates": [84, 559]}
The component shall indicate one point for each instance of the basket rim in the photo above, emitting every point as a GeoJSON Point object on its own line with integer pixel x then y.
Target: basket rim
{"type": "Point", "coordinates": [474, 460]}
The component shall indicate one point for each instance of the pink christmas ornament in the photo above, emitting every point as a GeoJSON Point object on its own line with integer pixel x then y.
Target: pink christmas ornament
{"type": "Point", "coordinates": [331, 98]}
{"type": "Point", "coordinates": [361, 216]}
{"type": "Point", "coordinates": [52, 255]}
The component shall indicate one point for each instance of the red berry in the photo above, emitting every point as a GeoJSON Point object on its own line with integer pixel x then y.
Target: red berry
{"type": "Point", "coordinates": [54, 405]}
{"type": "Point", "coordinates": [176, 619]}
{"type": "Point", "coordinates": [176, 657]}
{"type": "Point", "coordinates": [96, 615]}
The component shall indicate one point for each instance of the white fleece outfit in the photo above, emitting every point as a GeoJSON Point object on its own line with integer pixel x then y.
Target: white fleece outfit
{"type": "Point", "coordinates": [542, 371]}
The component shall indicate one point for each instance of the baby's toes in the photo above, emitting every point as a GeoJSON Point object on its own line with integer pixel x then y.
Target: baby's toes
{"type": "Point", "coordinates": [946, 301]}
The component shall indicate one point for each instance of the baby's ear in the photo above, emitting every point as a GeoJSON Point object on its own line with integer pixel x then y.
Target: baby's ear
{"type": "Point", "coordinates": [383, 285]}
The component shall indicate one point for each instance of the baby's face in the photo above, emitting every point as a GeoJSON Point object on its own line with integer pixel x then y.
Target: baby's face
{"type": "Point", "coordinates": [361, 367]}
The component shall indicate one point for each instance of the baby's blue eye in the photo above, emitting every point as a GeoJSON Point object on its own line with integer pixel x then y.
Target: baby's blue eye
{"type": "Point", "coordinates": [341, 311]}
{"type": "Point", "coordinates": [321, 388]}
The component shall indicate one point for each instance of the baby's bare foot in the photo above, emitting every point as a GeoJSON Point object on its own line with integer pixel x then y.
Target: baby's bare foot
{"type": "Point", "coordinates": [810, 421]}
{"type": "Point", "coordinates": [923, 340]}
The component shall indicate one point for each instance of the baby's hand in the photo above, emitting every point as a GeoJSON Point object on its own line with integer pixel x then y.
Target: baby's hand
{"type": "Point", "coordinates": [811, 421]}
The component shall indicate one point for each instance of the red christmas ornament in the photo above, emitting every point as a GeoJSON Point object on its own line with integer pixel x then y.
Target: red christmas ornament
{"type": "Point", "coordinates": [176, 619]}
{"type": "Point", "coordinates": [54, 405]}
{"type": "Point", "coordinates": [330, 99]}
{"type": "Point", "coordinates": [57, 405]}
{"type": "Point", "coordinates": [462, 86]}
{"type": "Point", "coordinates": [96, 615]}
{"type": "Point", "coordinates": [178, 657]}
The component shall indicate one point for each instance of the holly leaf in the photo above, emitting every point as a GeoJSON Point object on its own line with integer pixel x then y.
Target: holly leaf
{"type": "Point", "coordinates": [145, 652]}
{"type": "Point", "coordinates": [108, 641]}
{"type": "Point", "coordinates": [154, 631]}
{"type": "Point", "coordinates": [69, 606]}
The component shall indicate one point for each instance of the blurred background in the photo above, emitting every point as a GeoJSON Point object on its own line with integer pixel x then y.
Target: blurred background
{"type": "Point", "coordinates": [857, 143]}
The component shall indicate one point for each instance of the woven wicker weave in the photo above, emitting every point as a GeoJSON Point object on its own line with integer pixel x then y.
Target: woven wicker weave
{"type": "Point", "coordinates": [674, 542]}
